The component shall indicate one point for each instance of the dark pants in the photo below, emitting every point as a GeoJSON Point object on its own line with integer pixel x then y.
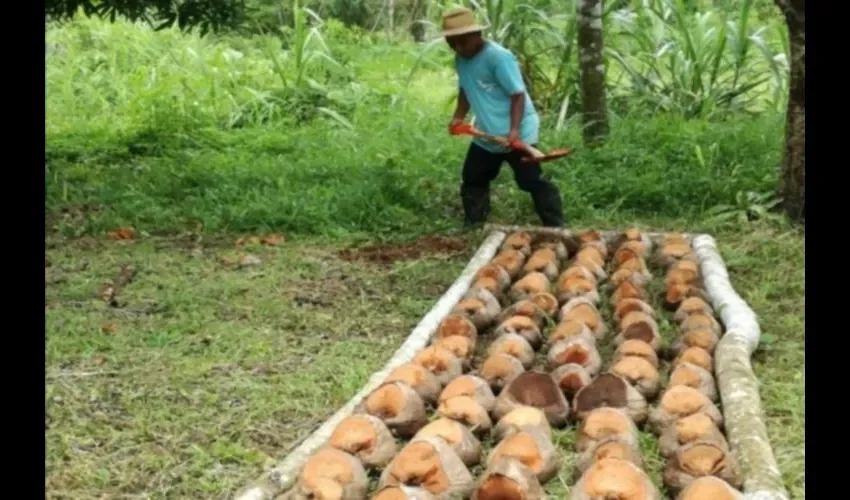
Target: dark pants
{"type": "Point", "coordinates": [482, 166]}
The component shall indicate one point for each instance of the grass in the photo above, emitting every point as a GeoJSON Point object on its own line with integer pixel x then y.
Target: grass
{"type": "Point", "coordinates": [206, 373]}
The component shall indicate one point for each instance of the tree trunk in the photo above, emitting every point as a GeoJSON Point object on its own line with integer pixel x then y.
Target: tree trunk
{"type": "Point", "coordinates": [592, 69]}
{"type": "Point", "coordinates": [792, 184]}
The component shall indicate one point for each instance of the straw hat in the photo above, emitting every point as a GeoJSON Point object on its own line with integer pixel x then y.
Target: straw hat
{"type": "Point", "coordinates": [459, 21]}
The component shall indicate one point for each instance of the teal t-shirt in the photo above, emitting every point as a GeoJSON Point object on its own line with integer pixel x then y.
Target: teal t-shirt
{"type": "Point", "coordinates": [488, 80]}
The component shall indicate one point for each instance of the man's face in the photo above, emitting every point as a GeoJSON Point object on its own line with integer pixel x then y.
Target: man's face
{"type": "Point", "coordinates": [465, 45]}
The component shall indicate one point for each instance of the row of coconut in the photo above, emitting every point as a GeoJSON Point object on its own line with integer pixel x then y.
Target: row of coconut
{"type": "Point", "coordinates": [699, 464]}
{"type": "Point", "coordinates": [435, 462]}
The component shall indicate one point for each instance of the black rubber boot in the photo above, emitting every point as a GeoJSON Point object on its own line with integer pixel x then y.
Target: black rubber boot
{"type": "Point", "coordinates": [547, 203]}
{"type": "Point", "coordinates": [476, 206]}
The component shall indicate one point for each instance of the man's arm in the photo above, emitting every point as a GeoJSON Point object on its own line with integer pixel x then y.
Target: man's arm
{"type": "Point", "coordinates": [509, 77]}
{"type": "Point", "coordinates": [462, 106]}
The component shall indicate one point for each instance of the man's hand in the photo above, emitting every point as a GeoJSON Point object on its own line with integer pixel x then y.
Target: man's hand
{"type": "Point", "coordinates": [454, 123]}
{"type": "Point", "coordinates": [513, 137]}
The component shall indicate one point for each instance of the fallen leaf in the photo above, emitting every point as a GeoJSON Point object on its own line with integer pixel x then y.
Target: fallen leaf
{"type": "Point", "coordinates": [99, 360]}
{"type": "Point", "coordinates": [249, 260]}
{"type": "Point", "coordinates": [109, 328]}
{"type": "Point", "coordinates": [123, 234]}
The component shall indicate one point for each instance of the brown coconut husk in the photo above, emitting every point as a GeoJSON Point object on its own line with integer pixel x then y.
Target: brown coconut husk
{"type": "Point", "coordinates": [418, 378]}
{"type": "Point", "coordinates": [527, 286]}
{"type": "Point", "coordinates": [704, 338]}
{"type": "Point", "coordinates": [612, 391]}
{"type": "Point", "coordinates": [584, 310]}
{"type": "Point", "coordinates": [632, 234]}
{"type": "Point", "coordinates": [543, 260]}
{"type": "Point", "coordinates": [398, 406]}
{"type": "Point", "coordinates": [605, 423]}
{"type": "Point", "coordinates": [626, 306]}
{"type": "Point", "coordinates": [511, 261]}
{"type": "Point", "coordinates": [520, 417]}
{"type": "Point", "coordinates": [441, 362]}
{"type": "Point", "coordinates": [522, 326]}
{"type": "Point", "coordinates": [710, 488]}
{"type": "Point", "coordinates": [697, 427]}
{"type": "Point", "coordinates": [570, 378]}
{"type": "Point", "coordinates": [525, 308]}
{"type": "Point", "coordinates": [576, 271]}
{"type": "Point", "coordinates": [692, 305]}
{"type": "Point", "coordinates": [572, 288]}
{"type": "Point", "coordinates": [631, 256]}
{"type": "Point", "coordinates": [470, 385]}
{"type": "Point", "coordinates": [493, 277]}
{"type": "Point", "coordinates": [457, 325]}
{"type": "Point", "coordinates": [456, 435]}
{"type": "Point", "coordinates": [681, 401]}
{"type": "Point", "coordinates": [480, 306]}
{"type": "Point", "coordinates": [466, 410]}
{"type": "Point", "coordinates": [697, 377]}
{"type": "Point", "coordinates": [566, 330]}
{"type": "Point", "coordinates": [462, 347]}
{"type": "Point", "coordinates": [614, 479]}
{"type": "Point", "coordinates": [402, 492]}
{"type": "Point", "coordinates": [532, 448]}
{"type": "Point", "coordinates": [592, 258]}
{"type": "Point", "coordinates": [534, 389]}
{"type": "Point", "coordinates": [519, 241]}
{"type": "Point", "coordinates": [636, 348]}
{"type": "Point", "coordinates": [431, 464]}
{"type": "Point", "coordinates": [547, 302]}
{"type": "Point", "coordinates": [683, 272]}
{"type": "Point", "coordinates": [578, 350]}
{"type": "Point", "coordinates": [696, 356]}
{"type": "Point", "coordinates": [676, 294]}
{"type": "Point", "coordinates": [640, 373]}
{"type": "Point", "coordinates": [672, 250]}
{"type": "Point", "coordinates": [555, 244]}
{"type": "Point", "coordinates": [698, 320]}
{"type": "Point", "coordinates": [331, 473]}
{"type": "Point", "coordinates": [498, 370]}
{"type": "Point", "coordinates": [627, 290]}
{"type": "Point", "coordinates": [514, 345]}
{"type": "Point", "coordinates": [623, 275]}
{"type": "Point", "coordinates": [366, 437]}
{"type": "Point", "coordinates": [508, 479]}
{"type": "Point", "coordinates": [608, 448]}
{"type": "Point", "coordinates": [638, 326]}
{"type": "Point", "coordinates": [700, 459]}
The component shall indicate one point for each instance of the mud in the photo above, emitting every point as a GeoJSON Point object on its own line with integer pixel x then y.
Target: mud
{"type": "Point", "coordinates": [387, 254]}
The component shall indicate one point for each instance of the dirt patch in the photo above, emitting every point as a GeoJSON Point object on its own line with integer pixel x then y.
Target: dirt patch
{"type": "Point", "coordinates": [387, 254]}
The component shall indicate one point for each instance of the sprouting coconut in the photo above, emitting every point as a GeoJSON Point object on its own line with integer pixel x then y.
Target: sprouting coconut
{"type": "Point", "coordinates": [462, 347]}
{"type": "Point", "coordinates": [604, 423]}
{"type": "Point", "coordinates": [470, 385]}
{"type": "Point", "coordinates": [526, 308]}
{"type": "Point", "coordinates": [699, 320]}
{"type": "Point", "coordinates": [530, 284]}
{"type": "Point", "coordinates": [636, 348]}
{"type": "Point", "coordinates": [492, 277]}
{"type": "Point", "coordinates": [709, 488]}
{"type": "Point", "coordinates": [331, 473]}
{"type": "Point", "coordinates": [704, 338]}
{"type": "Point", "coordinates": [532, 448]}
{"type": "Point", "coordinates": [499, 369]}
{"type": "Point", "coordinates": [402, 492]}
{"type": "Point", "coordinates": [566, 330]}
{"type": "Point", "coordinates": [398, 406]}
{"type": "Point", "coordinates": [692, 305]}
{"type": "Point", "coordinates": [431, 464]}
{"type": "Point", "coordinates": [640, 373]}
{"type": "Point", "coordinates": [366, 437]}
{"type": "Point", "coordinates": [700, 459]}
{"type": "Point", "coordinates": [544, 261]}
{"type": "Point", "coordinates": [614, 479]}
{"type": "Point", "coordinates": [519, 241]}
{"type": "Point", "coordinates": [611, 447]}
{"type": "Point", "coordinates": [626, 306]}
{"type": "Point", "coordinates": [576, 282]}
{"type": "Point", "coordinates": [480, 306]}
{"type": "Point", "coordinates": [583, 310]}
{"type": "Point", "coordinates": [612, 391]}
{"type": "Point", "coordinates": [508, 479]}
{"type": "Point", "coordinates": [639, 326]}
{"type": "Point", "coordinates": [547, 302]}
{"type": "Point", "coordinates": [627, 290]}
{"type": "Point", "coordinates": [456, 435]}
{"type": "Point", "coordinates": [511, 261]}
{"type": "Point", "coordinates": [623, 275]}
{"type": "Point", "coordinates": [533, 389]}
{"type": "Point", "coordinates": [457, 325]}
{"type": "Point", "coordinates": [697, 356]}
{"type": "Point", "coordinates": [555, 244]}
{"type": "Point", "coordinates": [419, 379]}
{"type": "Point", "coordinates": [439, 361]}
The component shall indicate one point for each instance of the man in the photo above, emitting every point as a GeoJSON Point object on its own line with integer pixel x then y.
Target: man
{"type": "Point", "coordinates": [491, 85]}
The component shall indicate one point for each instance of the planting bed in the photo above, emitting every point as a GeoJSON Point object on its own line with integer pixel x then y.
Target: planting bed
{"type": "Point", "coordinates": [614, 334]}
